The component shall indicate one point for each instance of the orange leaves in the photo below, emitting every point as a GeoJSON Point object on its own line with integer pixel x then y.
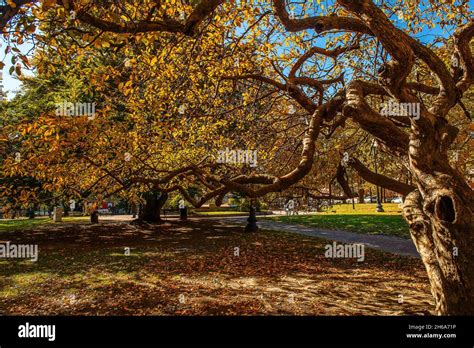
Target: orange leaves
{"type": "Point", "coordinates": [153, 61]}
{"type": "Point", "coordinates": [11, 3]}
{"type": "Point", "coordinates": [192, 270]}
{"type": "Point", "coordinates": [126, 88]}
{"type": "Point", "coordinates": [47, 4]}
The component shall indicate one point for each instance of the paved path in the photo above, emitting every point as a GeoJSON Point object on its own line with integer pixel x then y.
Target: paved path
{"type": "Point", "coordinates": [390, 244]}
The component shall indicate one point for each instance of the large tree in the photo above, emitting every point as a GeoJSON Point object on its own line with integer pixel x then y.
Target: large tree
{"type": "Point", "coordinates": [343, 61]}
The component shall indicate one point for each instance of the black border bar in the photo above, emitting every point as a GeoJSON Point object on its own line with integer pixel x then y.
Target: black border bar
{"type": "Point", "coordinates": [289, 331]}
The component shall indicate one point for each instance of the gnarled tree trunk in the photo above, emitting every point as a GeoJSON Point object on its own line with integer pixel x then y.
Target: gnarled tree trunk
{"type": "Point", "coordinates": [443, 236]}
{"type": "Point", "coordinates": [153, 205]}
{"type": "Point", "coordinates": [440, 215]}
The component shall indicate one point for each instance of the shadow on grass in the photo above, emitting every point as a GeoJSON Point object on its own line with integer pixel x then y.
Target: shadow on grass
{"type": "Point", "coordinates": [194, 268]}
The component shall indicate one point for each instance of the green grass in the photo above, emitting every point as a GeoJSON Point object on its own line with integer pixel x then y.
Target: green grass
{"type": "Point", "coordinates": [367, 208]}
{"type": "Point", "coordinates": [221, 213]}
{"type": "Point", "coordinates": [363, 219]}
{"type": "Point", "coordinates": [84, 271]}
{"type": "Point", "coordinates": [26, 224]}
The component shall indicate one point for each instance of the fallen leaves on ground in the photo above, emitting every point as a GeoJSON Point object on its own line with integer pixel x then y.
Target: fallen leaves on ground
{"type": "Point", "coordinates": [202, 268]}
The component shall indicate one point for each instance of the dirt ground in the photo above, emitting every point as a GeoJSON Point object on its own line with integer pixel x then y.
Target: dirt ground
{"type": "Point", "coordinates": [204, 267]}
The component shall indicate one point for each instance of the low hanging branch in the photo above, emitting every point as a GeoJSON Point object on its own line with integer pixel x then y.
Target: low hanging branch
{"type": "Point", "coordinates": [379, 179]}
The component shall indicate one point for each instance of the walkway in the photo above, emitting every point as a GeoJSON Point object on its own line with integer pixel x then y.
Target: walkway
{"type": "Point", "coordinates": [389, 244]}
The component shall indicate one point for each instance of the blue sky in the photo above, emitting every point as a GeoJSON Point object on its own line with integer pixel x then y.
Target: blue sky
{"type": "Point", "coordinates": [10, 82]}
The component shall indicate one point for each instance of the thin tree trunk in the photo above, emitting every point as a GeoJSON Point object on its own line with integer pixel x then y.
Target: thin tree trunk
{"type": "Point", "coordinates": [94, 216]}
{"type": "Point", "coordinates": [361, 196]}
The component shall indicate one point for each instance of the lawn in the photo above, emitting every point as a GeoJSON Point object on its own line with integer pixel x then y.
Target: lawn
{"type": "Point", "coordinates": [223, 212]}
{"type": "Point", "coordinates": [27, 224]}
{"type": "Point", "coordinates": [366, 208]}
{"type": "Point", "coordinates": [194, 268]}
{"type": "Point", "coordinates": [363, 219]}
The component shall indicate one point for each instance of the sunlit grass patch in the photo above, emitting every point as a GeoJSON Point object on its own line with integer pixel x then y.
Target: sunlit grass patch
{"type": "Point", "coordinates": [365, 209]}
{"type": "Point", "coordinates": [271, 267]}
{"type": "Point", "coordinates": [223, 212]}
{"type": "Point", "coordinates": [23, 224]}
{"type": "Point", "coordinates": [362, 219]}
{"type": "Point", "coordinates": [392, 225]}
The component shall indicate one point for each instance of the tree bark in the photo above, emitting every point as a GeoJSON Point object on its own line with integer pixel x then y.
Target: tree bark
{"type": "Point", "coordinates": [153, 205]}
{"type": "Point", "coordinates": [440, 215]}
{"type": "Point", "coordinates": [361, 196]}
{"type": "Point", "coordinates": [379, 179]}
{"type": "Point", "coordinates": [445, 249]}
{"type": "Point", "coordinates": [94, 217]}
{"type": "Point", "coordinates": [134, 209]}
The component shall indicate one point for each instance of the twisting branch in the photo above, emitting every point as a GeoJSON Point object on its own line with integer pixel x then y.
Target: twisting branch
{"type": "Point", "coordinates": [462, 39]}
{"type": "Point", "coordinates": [319, 24]}
{"type": "Point", "coordinates": [188, 27]}
{"type": "Point", "coordinates": [379, 179]}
